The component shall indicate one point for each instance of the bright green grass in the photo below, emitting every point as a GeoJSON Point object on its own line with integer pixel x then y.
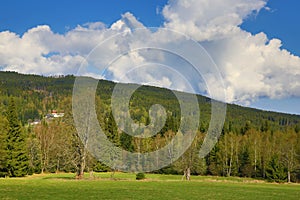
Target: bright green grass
{"type": "Point", "coordinates": [63, 186]}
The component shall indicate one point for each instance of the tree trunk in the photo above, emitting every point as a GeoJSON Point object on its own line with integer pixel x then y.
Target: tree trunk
{"type": "Point", "coordinates": [187, 174]}
{"type": "Point", "coordinates": [80, 171]}
{"type": "Point", "coordinates": [57, 166]}
{"type": "Point", "coordinates": [264, 168]}
{"type": "Point", "coordinates": [92, 174]}
{"type": "Point", "coordinates": [289, 176]}
{"type": "Point", "coordinates": [112, 174]}
{"type": "Point", "coordinates": [255, 159]}
{"type": "Point", "coordinates": [43, 163]}
{"type": "Point", "coordinates": [81, 166]}
{"type": "Point", "coordinates": [183, 177]}
{"type": "Point", "coordinates": [81, 161]}
{"type": "Point", "coordinates": [231, 158]}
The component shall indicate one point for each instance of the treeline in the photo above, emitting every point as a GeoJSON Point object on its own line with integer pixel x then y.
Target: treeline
{"type": "Point", "coordinates": [53, 146]}
{"type": "Point", "coordinates": [253, 143]}
{"type": "Point", "coordinates": [259, 154]}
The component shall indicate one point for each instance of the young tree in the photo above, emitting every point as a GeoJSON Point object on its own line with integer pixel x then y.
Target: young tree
{"type": "Point", "coordinates": [229, 145]}
{"type": "Point", "coordinates": [288, 152]}
{"type": "Point", "coordinates": [77, 141]}
{"type": "Point", "coordinates": [190, 162]}
{"type": "Point", "coordinates": [255, 150]}
{"type": "Point", "coordinates": [34, 152]}
{"type": "Point", "coordinates": [17, 160]}
{"type": "Point", "coordinates": [267, 150]}
{"type": "Point", "coordinates": [45, 135]}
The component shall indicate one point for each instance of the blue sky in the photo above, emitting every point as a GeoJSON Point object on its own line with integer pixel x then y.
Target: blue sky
{"type": "Point", "coordinates": [19, 16]}
{"type": "Point", "coordinates": [281, 21]}
{"type": "Point", "coordinates": [278, 19]}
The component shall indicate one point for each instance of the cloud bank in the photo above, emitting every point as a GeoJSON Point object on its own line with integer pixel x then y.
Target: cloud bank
{"type": "Point", "coordinates": [252, 66]}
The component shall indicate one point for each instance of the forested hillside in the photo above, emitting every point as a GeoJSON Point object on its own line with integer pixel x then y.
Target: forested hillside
{"type": "Point", "coordinates": [254, 143]}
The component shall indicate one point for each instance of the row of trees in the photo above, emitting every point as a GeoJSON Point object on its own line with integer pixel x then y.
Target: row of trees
{"type": "Point", "coordinates": [48, 147]}
{"type": "Point", "coordinates": [54, 146]}
{"type": "Point", "coordinates": [268, 155]}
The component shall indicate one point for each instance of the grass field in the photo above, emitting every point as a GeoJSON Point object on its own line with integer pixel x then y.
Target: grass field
{"type": "Point", "coordinates": [64, 186]}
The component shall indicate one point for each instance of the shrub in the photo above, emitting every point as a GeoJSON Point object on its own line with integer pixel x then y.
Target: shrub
{"type": "Point", "coordinates": [140, 176]}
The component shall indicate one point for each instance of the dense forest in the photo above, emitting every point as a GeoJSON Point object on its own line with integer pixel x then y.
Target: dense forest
{"type": "Point", "coordinates": [254, 143]}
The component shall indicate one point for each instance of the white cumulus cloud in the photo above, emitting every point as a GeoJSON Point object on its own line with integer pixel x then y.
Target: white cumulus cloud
{"type": "Point", "coordinates": [252, 66]}
{"type": "Point", "coordinates": [209, 19]}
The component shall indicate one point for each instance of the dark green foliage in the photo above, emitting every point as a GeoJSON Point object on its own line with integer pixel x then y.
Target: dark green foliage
{"type": "Point", "coordinates": [37, 95]}
{"type": "Point", "coordinates": [246, 169]}
{"type": "Point", "coordinates": [297, 128]}
{"type": "Point", "coordinates": [275, 171]}
{"type": "Point", "coordinates": [3, 147]}
{"type": "Point", "coordinates": [140, 176]}
{"type": "Point", "coordinates": [213, 162]}
{"type": "Point", "coordinates": [17, 159]}
{"type": "Point", "coordinates": [126, 142]}
{"type": "Point", "coordinates": [100, 167]}
{"type": "Point", "coordinates": [246, 128]}
{"type": "Point", "coordinates": [112, 130]}
{"type": "Point", "coordinates": [34, 95]}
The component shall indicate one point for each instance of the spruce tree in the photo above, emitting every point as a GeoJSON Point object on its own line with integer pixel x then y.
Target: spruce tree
{"type": "Point", "coordinates": [275, 170]}
{"type": "Point", "coordinates": [3, 147]}
{"type": "Point", "coordinates": [17, 162]}
{"type": "Point", "coordinates": [112, 130]}
{"type": "Point", "coordinates": [126, 139]}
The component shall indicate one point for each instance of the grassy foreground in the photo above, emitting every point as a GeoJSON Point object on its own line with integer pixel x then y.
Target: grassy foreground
{"type": "Point", "coordinates": [64, 186]}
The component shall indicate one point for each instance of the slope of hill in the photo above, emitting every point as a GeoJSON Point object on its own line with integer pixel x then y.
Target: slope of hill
{"type": "Point", "coordinates": [38, 95]}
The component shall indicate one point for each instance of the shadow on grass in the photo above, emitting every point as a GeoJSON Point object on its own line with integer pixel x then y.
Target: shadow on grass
{"type": "Point", "coordinates": [73, 177]}
{"type": "Point", "coordinates": [59, 178]}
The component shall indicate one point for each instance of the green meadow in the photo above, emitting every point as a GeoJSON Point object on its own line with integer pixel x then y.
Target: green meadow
{"type": "Point", "coordinates": [124, 186]}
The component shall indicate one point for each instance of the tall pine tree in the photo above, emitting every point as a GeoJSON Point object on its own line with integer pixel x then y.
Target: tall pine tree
{"type": "Point", "coordinates": [17, 158]}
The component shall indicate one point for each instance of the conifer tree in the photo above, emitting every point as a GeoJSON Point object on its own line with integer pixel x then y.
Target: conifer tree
{"type": "Point", "coordinates": [17, 159]}
{"type": "Point", "coordinates": [112, 130]}
{"type": "Point", "coordinates": [3, 147]}
{"type": "Point", "coordinates": [275, 171]}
